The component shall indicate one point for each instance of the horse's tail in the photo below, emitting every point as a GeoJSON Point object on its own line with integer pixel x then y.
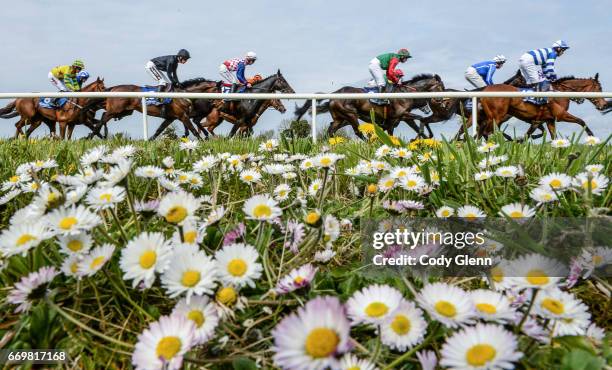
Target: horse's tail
{"type": "Point", "coordinates": [4, 112]}
{"type": "Point", "coordinates": [323, 107]}
{"type": "Point", "coordinates": [9, 115]}
{"type": "Point", "coordinates": [300, 111]}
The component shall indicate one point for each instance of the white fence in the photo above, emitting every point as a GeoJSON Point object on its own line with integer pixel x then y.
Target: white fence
{"type": "Point", "coordinates": [310, 96]}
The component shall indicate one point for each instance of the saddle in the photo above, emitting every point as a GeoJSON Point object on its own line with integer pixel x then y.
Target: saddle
{"type": "Point", "coordinates": [531, 99]}
{"type": "Point", "coordinates": [52, 103]}
{"type": "Point", "coordinates": [154, 101]}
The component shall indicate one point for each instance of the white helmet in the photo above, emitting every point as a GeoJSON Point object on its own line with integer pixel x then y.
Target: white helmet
{"type": "Point", "coordinates": [251, 55]}
{"type": "Point", "coordinates": [500, 58]}
{"type": "Point", "coordinates": [560, 44]}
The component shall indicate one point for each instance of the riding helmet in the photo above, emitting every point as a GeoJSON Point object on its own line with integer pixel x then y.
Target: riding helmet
{"type": "Point", "coordinates": [78, 63]}
{"type": "Point", "coordinates": [404, 53]}
{"type": "Point", "coordinates": [560, 44]}
{"type": "Point", "coordinates": [183, 54]}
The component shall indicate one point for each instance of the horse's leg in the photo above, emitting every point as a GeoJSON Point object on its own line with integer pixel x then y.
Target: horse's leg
{"type": "Point", "coordinates": [187, 123]}
{"type": "Point", "coordinates": [161, 128]}
{"type": "Point", "coordinates": [566, 116]}
{"type": "Point", "coordinates": [18, 127]}
{"type": "Point", "coordinates": [33, 126]}
{"type": "Point", "coordinates": [62, 125]}
{"type": "Point", "coordinates": [70, 130]}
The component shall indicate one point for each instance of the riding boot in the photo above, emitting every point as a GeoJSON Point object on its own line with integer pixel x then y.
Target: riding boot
{"type": "Point", "coordinates": [233, 88]}
{"type": "Point", "coordinates": [161, 88]}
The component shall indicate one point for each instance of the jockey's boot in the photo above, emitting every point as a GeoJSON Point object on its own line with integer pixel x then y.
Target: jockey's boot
{"type": "Point", "coordinates": [233, 88]}
{"type": "Point", "coordinates": [161, 88]}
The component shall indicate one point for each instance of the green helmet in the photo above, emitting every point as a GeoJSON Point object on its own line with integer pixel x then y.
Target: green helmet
{"type": "Point", "coordinates": [404, 53]}
{"type": "Point", "coordinates": [78, 63]}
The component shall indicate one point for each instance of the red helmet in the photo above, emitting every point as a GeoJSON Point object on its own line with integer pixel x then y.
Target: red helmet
{"type": "Point", "coordinates": [399, 73]}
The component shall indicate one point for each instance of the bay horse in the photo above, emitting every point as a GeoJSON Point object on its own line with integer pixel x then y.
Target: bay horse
{"type": "Point", "coordinates": [216, 117]}
{"type": "Point", "coordinates": [350, 111]}
{"type": "Point", "coordinates": [72, 113]}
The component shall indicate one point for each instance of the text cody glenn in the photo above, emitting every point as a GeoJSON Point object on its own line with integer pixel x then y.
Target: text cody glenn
{"type": "Point", "coordinates": [426, 260]}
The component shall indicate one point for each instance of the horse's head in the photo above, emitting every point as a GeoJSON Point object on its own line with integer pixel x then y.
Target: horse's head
{"type": "Point", "coordinates": [278, 105]}
{"type": "Point", "coordinates": [280, 84]}
{"type": "Point", "coordinates": [583, 85]}
{"type": "Point", "coordinates": [424, 82]}
{"type": "Point", "coordinates": [96, 86]}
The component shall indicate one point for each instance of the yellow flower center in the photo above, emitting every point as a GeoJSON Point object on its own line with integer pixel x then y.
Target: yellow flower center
{"type": "Point", "coordinates": [74, 268]}
{"type": "Point", "coordinates": [190, 278]}
{"type": "Point", "coordinates": [445, 213]}
{"type": "Point", "coordinates": [262, 211]}
{"type": "Point", "coordinates": [67, 223]}
{"type": "Point", "coordinates": [553, 305]}
{"type": "Point", "coordinates": [196, 316]}
{"type": "Point", "coordinates": [480, 354]}
{"type": "Point", "coordinates": [497, 274]}
{"type": "Point", "coordinates": [25, 238]}
{"type": "Point", "coordinates": [445, 308]}
{"type": "Point", "coordinates": [75, 245]}
{"type": "Point", "coordinates": [376, 309]}
{"type": "Point", "coordinates": [237, 267]}
{"type": "Point", "coordinates": [411, 183]}
{"type": "Point", "coordinates": [486, 308]}
{"type": "Point", "coordinates": [176, 214]}
{"type": "Point", "coordinates": [168, 347]}
{"type": "Point", "coordinates": [106, 197]}
{"type": "Point", "coordinates": [298, 280]}
{"type": "Point", "coordinates": [585, 184]}
{"type": "Point", "coordinates": [372, 188]}
{"type": "Point", "coordinates": [325, 161]}
{"type": "Point", "coordinates": [190, 236]}
{"type": "Point", "coordinates": [14, 179]}
{"type": "Point", "coordinates": [147, 259]}
{"type": "Point", "coordinates": [248, 177]}
{"type": "Point", "coordinates": [537, 277]}
{"type": "Point", "coordinates": [227, 296]}
{"type": "Point", "coordinates": [312, 218]}
{"type": "Point", "coordinates": [555, 183]}
{"type": "Point", "coordinates": [321, 342]}
{"type": "Point", "coordinates": [52, 197]}
{"type": "Point", "coordinates": [96, 262]}
{"type": "Point", "coordinates": [597, 260]}
{"type": "Point", "coordinates": [183, 178]}
{"type": "Point", "coordinates": [516, 214]}
{"type": "Point", "coordinates": [400, 325]}
{"type": "Point", "coordinates": [389, 183]}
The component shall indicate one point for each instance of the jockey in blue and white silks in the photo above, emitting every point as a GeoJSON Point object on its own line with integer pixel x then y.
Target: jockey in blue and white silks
{"type": "Point", "coordinates": [538, 66]}
{"type": "Point", "coordinates": [481, 74]}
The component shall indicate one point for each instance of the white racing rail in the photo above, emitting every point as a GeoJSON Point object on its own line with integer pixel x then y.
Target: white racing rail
{"type": "Point", "coordinates": [474, 95]}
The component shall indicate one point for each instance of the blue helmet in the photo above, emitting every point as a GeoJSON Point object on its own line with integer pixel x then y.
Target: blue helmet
{"type": "Point", "coordinates": [82, 76]}
{"type": "Point", "coordinates": [560, 44]}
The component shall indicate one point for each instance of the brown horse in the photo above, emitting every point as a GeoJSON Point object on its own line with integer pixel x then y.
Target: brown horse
{"type": "Point", "coordinates": [498, 110]}
{"type": "Point", "coordinates": [71, 114]}
{"type": "Point", "coordinates": [349, 112]}
{"type": "Point", "coordinates": [216, 117]}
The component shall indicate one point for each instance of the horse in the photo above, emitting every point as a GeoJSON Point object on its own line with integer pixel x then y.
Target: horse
{"type": "Point", "coordinates": [73, 112]}
{"type": "Point", "coordinates": [349, 112]}
{"type": "Point", "coordinates": [216, 117]}
{"type": "Point", "coordinates": [498, 110]}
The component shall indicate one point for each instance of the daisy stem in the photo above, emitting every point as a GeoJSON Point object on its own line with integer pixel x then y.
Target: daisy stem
{"type": "Point", "coordinates": [407, 355]}
{"type": "Point", "coordinates": [127, 296]}
{"type": "Point", "coordinates": [76, 322]}
{"type": "Point", "coordinates": [376, 352]}
{"type": "Point", "coordinates": [533, 297]}
{"type": "Point", "coordinates": [130, 197]}
{"type": "Point", "coordinates": [123, 234]}
{"type": "Point", "coordinates": [323, 189]}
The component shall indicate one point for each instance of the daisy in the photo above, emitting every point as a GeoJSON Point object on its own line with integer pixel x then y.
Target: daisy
{"type": "Point", "coordinates": [568, 314]}
{"type": "Point", "coordinates": [9, 196]}
{"type": "Point", "coordinates": [15, 181]}
{"type": "Point", "coordinates": [331, 227]}
{"type": "Point", "coordinates": [307, 164]}
{"type": "Point", "coordinates": [492, 306]}
{"type": "Point", "coordinates": [352, 362]}
{"type": "Point", "coordinates": [227, 296]}
{"type": "Point", "coordinates": [507, 171]}
{"type": "Point", "coordinates": [21, 237]}
{"type": "Point", "coordinates": [382, 151]}
{"type": "Point", "coordinates": [75, 194]}
{"type": "Point", "coordinates": [120, 154]}
{"type": "Point", "coordinates": [517, 210]}
{"type": "Point", "coordinates": [312, 337]}
{"type": "Point", "coordinates": [48, 197]}
{"type": "Point", "coordinates": [30, 288]}
{"type": "Point", "coordinates": [487, 147]}
{"type": "Point", "coordinates": [296, 279]}
{"type": "Point", "coordinates": [555, 181]}
{"type": "Point", "coordinates": [203, 313]}
{"type": "Point", "coordinates": [484, 346]}
{"type": "Point", "coordinates": [314, 187]}
{"type": "Point", "coordinates": [72, 220]}
{"type": "Point", "coordinates": [102, 198]}
{"type": "Point", "coordinates": [191, 272]}
{"type": "Point", "coordinates": [595, 334]}
{"type": "Point", "coordinates": [591, 140]}
{"type": "Point", "coordinates": [483, 175]}
{"type": "Point", "coordinates": [95, 260]}
{"type": "Point", "coordinates": [178, 206]}
{"type": "Point", "coordinates": [215, 215]}
{"type": "Point", "coordinates": [78, 244]}
{"type": "Point", "coordinates": [237, 265]}
{"type": "Point", "coordinates": [289, 175]}
{"type": "Point", "coordinates": [446, 303]}
{"type": "Point", "coordinates": [281, 192]}
{"type": "Point", "coordinates": [594, 168]}
{"type": "Point", "coordinates": [205, 163]}
{"type": "Point", "coordinates": [149, 172]}
{"type": "Point", "coordinates": [405, 328]}
{"type": "Point", "coordinates": [117, 173]}
{"type": "Point", "coordinates": [261, 208]}
{"type": "Point", "coordinates": [93, 155]}
{"type": "Point", "coordinates": [373, 304]}
{"type": "Point", "coordinates": [188, 144]}
{"type": "Point", "coordinates": [560, 143]}
{"type": "Point", "coordinates": [386, 183]}
{"type": "Point", "coordinates": [470, 212]}
{"type": "Point", "coordinates": [277, 168]}
{"type": "Point", "coordinates": [543, 195]}
{"type": "Point", "coordinates": [70, 266]}
{"type": "Point", "coordinates": [445, 211]}
{"type": "Point", "coordinates": [597, 183]}
{"type": "Point", "coordinates": [163, 344]}
{"type": "Point", "coordinates": [401, 172]}
{"type": "Point", "coordinates": [536, 271]}
{"type": "Point", "coordinates": [427, 360]}
{"type": "Point", "coordinates": [324, 256]}
{"type": "Point", "coordinates": [143, 256]}
{"type": "Point", "coordinates": [268, 145]}
{"type": "Point", "coordinates": [401, 153]}
{"type": "Point", "coordinates": [412, 182]}
{"type": "Point", "coordinates": [326, 160]}
{"type": "Point", "coordinates": [250, 176]}
{"type": "Point", "coordinates": [146, 207]}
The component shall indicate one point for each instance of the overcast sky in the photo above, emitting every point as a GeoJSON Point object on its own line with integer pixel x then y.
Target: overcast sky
{"type": "Point", "coordinates": [319, 45]}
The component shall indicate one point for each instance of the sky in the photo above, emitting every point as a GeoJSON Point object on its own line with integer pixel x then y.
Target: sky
{"type": "Point", "coordinates": [319, 45]}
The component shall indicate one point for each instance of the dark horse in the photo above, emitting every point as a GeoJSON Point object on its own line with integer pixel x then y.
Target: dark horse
{"type": "Point", "coordinates": [350, 111]}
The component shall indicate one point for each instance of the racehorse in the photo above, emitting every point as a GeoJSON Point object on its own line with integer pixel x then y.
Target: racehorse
{"type": "Point", "coordinates": [349, 112]}
{"type": "Point", "coordinates": [499, 110]}
{"type": "Point", "coordinates": [73, 112]}
{"type": "Point", "coordinates": [216, 117]}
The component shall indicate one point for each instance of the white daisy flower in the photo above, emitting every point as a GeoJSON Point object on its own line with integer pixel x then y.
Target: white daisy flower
{"type": "Point", "coordinates": [95, 260]}
{"type": "Point", "coordinates": [352, 362]}
{"type": "Point", "coordinates": [93, 155]}
{"type": "Point", "coordinates": [277, 168]}
{"type": "Point", "coordinates": [386, 183]}
{"type": "Point", "coordinates": [75, 194]}
{"type": "Point", "coordinates": [205, 163]}
{"type": "Point", "coordinates": [555, 181]}
{"type": "Point", "coordinates": [470, 212]}
{"type": "Point", "coordinates": [188, 144]}
{"type": "Point", "coordinates": [15, 181]}
{"type": "Point", "coordinates": [250, 176]}
{"type": "Point", "coordinates": [327, 160]}
{"type": "Point", "coordinates": [70, 265]}
{"type": "Point", "coordinates": [597, 183]}
{"type": "Point", "coordinates": [289, 175]}
{"type": "Point", "coordinates": [405, 328]}
{"type": "Point", "coordinates": [177, 207]}
{"type": "Point", "coordinates": [215, 215]}
{"type": "Point", "coordinates": [281, 192]}
{"type": "Point", "coordinates": [117, 173]}
{"type": "Point", "coordinates": [78, 244]}
{"type": "Point", "coordinates": [307, 164]}
{"type": "Point", "coordinates": [401, 153]}
{"type": "Point", "coordinates": [507, 171]}
{"type": "Point", "coordinates": [261, 208]}
{"type": "Point", "coordinates": [324, 256]}
{"type": "Point", "coordinates": [331, 229]}
{"type": "Point", "coordinates": [102, 198]}
{"type": "Point", "coordinates": [296, 279]}
{"type": "Point", "coordinates": [237, 265]}
{"type": "Point", "coordinates": [412, 182]}
{"type": "Point", "coordinates": [268, 145]}
{"type": "Point", "coordinates": [568, 314]}
{"type": "Point", "coordinates": [190, 272]}
{"type": "Point", "coordinates": [162, 345]}
{"type": "Point", "coordinates": [591, 140]}
{"type": "Point", "coordinates": [447, 303]}
{"type": "Point", "coordinates": [560, 143]}
{"type": "Point", "coordinates": [149, 172]}
{"type": "Point", "coordinates": [20, 238]}
{"type": "Point", "coordinates": [373, 304]}
{"type": "Point", "coordinates": [172, 186]}
{"type": "Point", "coordinates": [4, 199]}
{"type": "Point", "coordinates": [72, 220]}
{"type": "Point", "coordinates": [483, 175]}
{"type": "Point", "coordinates": [543, 195]}
{"type": "Point", "coordinates": [427, 360]}
{"type": "Point", "coordinates": [382, 151]}
{"type": "Point", "coordinates": [536, 271]}
{"type": "Point", "coordinates": [492, 306]}
{"type": "Point", "coordinates": [445, 211]}
{"type": "Point", "coordinates": [203, 312]}
{"type": "Point", "coordinates": [143, 256]}
{"type": "Point", "coordinates": [484, 346]}
{"type": "Point", "coordinates": [517, 210]}
{"type": "Point", "coordinates": [312, 337]}
{"type": "Point", "coordinates": [487, 147]}
{"type": "Point", "coordinates": [31, 288]}
{"type": "Point", "coordinates": [315, 187]}
{"type": "Point", "coordinates": [594, 168]}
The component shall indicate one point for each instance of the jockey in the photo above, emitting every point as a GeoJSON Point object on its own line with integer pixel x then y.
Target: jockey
{"type": "Point", "coordinates": [232, 70]}
{"type": "Point", "coordinates": [481, 74]}
{"type": "Point", "coordinates": [64, 77]}
{"type": "Point", "coordinates": [385, 65]}
{"type": "Point", "coordinates": [538, 66]}
{"type": "Point", "coordinates": [168, 64]}
{"type": "Point", "coordinates": [82, 77]}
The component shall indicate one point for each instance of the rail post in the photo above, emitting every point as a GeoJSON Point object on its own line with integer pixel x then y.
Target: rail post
{"type": "Point", "coordinates": [474, 116]}
{"type": "Point", "coordinates": [145, 123]}
{"type": "Point", "coordinates": [314, 120]}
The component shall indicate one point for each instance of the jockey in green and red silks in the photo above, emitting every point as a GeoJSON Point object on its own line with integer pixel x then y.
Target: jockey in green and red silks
{"type": "Point", "coordinates": [383, 68]}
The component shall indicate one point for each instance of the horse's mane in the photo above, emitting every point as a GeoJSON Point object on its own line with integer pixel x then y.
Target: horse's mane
{"type": "Point", "coordinates": [265, 78]}
{"type": "Point", "coordinates": [515, 76]}
{"type": "Point", "coordinates": [565, 78]}
{"type": "Point", "coordinates": [419, 77]}
{"type": "Point", "coordinates": [197, 80]}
